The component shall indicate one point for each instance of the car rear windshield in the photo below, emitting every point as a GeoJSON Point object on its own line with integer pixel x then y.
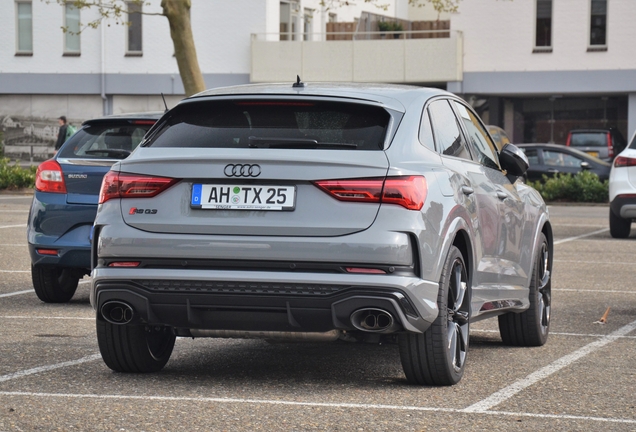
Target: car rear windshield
{"type": "Point", "coordinates": [589, 139]}
{"type": "Point", "coordinates": [105, 141]}
{"type": "Point", "coordinates": [274, 124]}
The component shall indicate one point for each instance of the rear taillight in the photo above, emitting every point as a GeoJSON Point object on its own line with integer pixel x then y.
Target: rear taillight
{"type": "Point", "coordinates": [569, 140]}
{"type": "Point", "coordinates": [623, 161]}
{"type": "Point", "coordinates": [408, 192]}
{"type": "Point", "coordinates": [50, 178]}
{"type": "Point", "coordinates": [122, 185]}
{"type": "Point", "coordinates": [610, 146]}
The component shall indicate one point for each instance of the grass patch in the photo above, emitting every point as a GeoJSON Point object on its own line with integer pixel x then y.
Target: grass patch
{"type": "Point", "coordinates": [14, 176]}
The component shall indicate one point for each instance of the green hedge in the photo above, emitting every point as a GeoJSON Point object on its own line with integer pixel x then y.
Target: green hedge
{"type": "Point", "coordinates": [582, 187]}
{"type": "Point", "coordinates": [14, 176]}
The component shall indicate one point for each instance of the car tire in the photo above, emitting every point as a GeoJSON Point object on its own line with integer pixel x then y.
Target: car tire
{"type": "Point", "coordinates": [54, 284]}
{"type": "Point", "coordinates": [531, 327]}
{"type": "Point", "coordinates": [134, 348]}
{"type": "Point", "coordinates": [619, 227]}
{"type": "Point", "coordinates": [438, 356]}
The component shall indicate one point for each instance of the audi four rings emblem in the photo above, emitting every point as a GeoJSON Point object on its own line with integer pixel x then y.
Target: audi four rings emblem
{"type": "Point", "coordinates": [242, 170]}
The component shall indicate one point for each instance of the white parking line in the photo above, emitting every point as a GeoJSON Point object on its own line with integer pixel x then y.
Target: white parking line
{"type": "Point", "coordinates": [16, 293]}
{"type": "Point", "coordinates": [36, 370]}
{"type": "Point", "coordinates": [594, 291]}
{"type": "Point", "coordinates": [310, 404]}
{"type": "Point", "coordinates": [507, 392]}
{"type": "Point", "coordinates": [14, 211]}
{"type": "Point", "coordinates": [555, 334]}
{"type": "Point", "coordinates": [13, 226]}
{"type": "Point", "coordinates": [594, 262]}
{"type": "Point", "coordinates": [580, 236]}
{"type": "Point", "coordinates": [11, 244]}
{"type": "Point", "coordinates": [15, 271]}
{"type": "Point", "coordinates": [579, 225]}
{"type": "Point", "coordinates": [17, 197]}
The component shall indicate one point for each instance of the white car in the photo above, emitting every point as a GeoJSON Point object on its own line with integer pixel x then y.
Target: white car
{"type": "Point", "coordinates": [622, 192]}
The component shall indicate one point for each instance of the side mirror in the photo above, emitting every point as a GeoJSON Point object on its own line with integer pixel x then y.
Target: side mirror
{"type": "Point", "coordinates": [585, 165]}
{"type": "Point", "coordinates": [513, 160]}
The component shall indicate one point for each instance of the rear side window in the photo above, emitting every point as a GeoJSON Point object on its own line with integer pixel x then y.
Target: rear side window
{"type": "Point", "coordinates": [274, 124]}
{"type": "Point", "coordinates": [589, 139]}
{"type": "Point", "coordinates": [105, 141]}
{"type": "Point", "coordinates": [478, 137]}
{"type": "Point", "coordinates": [448, 138]}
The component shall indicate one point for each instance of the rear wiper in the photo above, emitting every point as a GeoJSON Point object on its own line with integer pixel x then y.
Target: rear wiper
{"type": "Point", "coordinates": [118, 153]}
{"type": "Point", "coordinates": [262, 142]}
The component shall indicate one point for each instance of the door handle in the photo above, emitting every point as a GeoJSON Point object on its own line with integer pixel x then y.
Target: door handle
{"type": "Point", "coordinates": [502, 195]}
{"type": "Point", "coordinates": [467, 190]}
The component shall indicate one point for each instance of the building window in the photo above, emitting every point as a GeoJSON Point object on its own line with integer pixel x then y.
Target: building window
{"type": "Point", "coordinates": [308, 24]}
{"type": "Point", "coordinates": [598, 25]}
{"type": "Point", "coordinates": [289, 17]}
{"type": "Point", "coordinates": [543, 29]}
{"type": "Point", "coordinates": [24, 16]}
{"type": "Point", "coordinates": [134, 29]}
{"type": "Point", "coordinates": [72, 34]}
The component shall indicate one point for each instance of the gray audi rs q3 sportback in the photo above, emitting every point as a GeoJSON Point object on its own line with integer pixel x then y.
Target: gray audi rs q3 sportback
{"type": "Point", "coordinates": [320, 212]}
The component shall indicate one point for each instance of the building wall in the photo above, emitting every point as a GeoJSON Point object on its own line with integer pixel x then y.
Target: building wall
{"type": "Point", "coordinates": [499, 36]}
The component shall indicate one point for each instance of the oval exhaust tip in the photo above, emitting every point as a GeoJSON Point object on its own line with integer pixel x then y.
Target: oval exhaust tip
{"type": "Point", "coordinates": [116, 312]}
{"type": "Point", "coordinates": [374, 320]}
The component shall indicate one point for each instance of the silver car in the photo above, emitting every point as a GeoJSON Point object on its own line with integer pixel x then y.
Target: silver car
{"type": "Point", "coordinates": [320, 212]}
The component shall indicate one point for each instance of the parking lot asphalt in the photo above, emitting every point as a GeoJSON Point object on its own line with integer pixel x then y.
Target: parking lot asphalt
{"type": "Point", "coordinates": [52, 376]}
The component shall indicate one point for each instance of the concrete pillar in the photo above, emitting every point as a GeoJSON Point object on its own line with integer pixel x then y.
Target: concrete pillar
{"type": "Point", "coordinates": [631, 115]}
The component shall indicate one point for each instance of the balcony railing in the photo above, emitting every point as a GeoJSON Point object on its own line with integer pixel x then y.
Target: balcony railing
{"type": "Point", "coordinates": [394, 56]}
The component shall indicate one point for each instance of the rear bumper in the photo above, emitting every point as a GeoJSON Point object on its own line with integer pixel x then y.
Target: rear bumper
{"type": "Point", "coordinates": [264, 301]}
{"type": "Point", "coordinates": [68, 256]}
{"type": "Point", "coordinates": [55, 224]}
{"type": "Point", "coordinates": [624, 206]}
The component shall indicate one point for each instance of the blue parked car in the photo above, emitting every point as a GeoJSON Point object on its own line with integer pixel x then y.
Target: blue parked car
{"type": "Point", "coordinates": [65, 201]}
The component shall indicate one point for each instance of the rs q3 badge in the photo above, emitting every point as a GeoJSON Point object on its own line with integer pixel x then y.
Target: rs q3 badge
{"type": "Point", "coordinates": [135, 210]}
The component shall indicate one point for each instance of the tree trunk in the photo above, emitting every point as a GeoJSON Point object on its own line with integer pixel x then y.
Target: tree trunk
{"type": "Point", "coordinates": [178, 14]}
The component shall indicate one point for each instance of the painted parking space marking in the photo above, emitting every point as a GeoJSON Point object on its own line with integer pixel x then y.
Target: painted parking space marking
{"type": "Point", "coordinates": [16, 197]}
{"type": "Point", "coordinates": [594, 262]}
{"type": "Point", "coordinates": [509, 391]}
{"type": "Point", "coordinates": [578, 225]}
{"type": "Point", "coordinates": [47, 368]}
{"type": "Point", "coordinates": [310, 404]}
{"type": "Point", "coordinates": [580, 236]}
{"type": "Point", "coordinates": [13, 226]}
{"type": "Point", "coordinates": [594, 291]}
{"type": "Point", "coordinates": [15, 271]}
{"type": "Point", "coordinates": [555, 334]}
{"type": "Point", "coordinates": [13, 244]}
{"type": "Point", "coordinates": [16, 293]}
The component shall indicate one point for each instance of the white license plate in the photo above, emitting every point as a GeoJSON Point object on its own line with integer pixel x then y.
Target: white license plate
{"type": "Point", "coordinates": [243, 197]}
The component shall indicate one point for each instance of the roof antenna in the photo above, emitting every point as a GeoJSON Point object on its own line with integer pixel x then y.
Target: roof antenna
{"type": "Point", "coordinates": [164, 102]}
{"type": "Point", "coordinates": [298, 82]}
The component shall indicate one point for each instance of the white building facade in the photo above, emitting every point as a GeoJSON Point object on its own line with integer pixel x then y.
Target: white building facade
{"type": "Point", "coordinates": [536, 67]}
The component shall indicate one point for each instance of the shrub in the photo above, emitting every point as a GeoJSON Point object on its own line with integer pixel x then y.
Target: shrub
{"type": "Point", "coordinates": [582, 187]}
{"type": "Point", "coordinates": [14, 176]}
